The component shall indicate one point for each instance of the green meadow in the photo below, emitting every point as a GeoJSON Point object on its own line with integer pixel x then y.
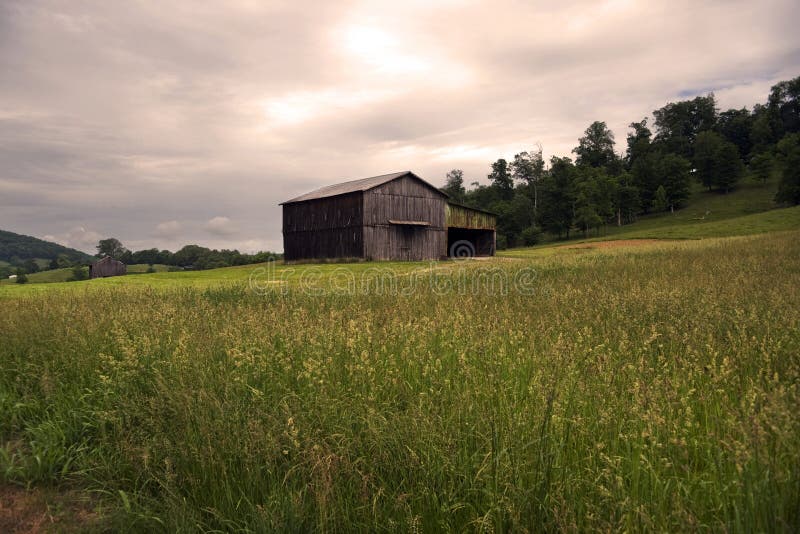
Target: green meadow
{"type": "Point", "coordinates": [652, 387]}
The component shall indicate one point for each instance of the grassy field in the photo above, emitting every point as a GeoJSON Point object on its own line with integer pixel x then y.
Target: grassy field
{"type": "Point", "coordinates": [281, 275]}
{"type": "Point", "coordinates": [646, 388]}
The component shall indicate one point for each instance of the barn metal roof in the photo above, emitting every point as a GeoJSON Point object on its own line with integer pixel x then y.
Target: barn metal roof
{"type": "Point", "coordinates": [363, 184]}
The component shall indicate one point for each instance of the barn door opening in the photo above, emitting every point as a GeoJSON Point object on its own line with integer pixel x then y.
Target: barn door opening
{"type": "Point", "coordinates": [469, 242]}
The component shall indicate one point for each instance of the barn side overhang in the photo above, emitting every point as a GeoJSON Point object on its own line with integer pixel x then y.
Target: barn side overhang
{"type": "Point", "coordinates": [470, 231]}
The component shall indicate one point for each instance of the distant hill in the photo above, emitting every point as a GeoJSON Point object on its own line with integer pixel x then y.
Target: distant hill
{"type": "Point", "coordinates": [18, 247]}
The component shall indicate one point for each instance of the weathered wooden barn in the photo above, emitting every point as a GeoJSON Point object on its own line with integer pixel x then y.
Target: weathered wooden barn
{"type": "Point", "coordinates": [105, 267]}
{"type": "Point", "coordinates": [395, 216]}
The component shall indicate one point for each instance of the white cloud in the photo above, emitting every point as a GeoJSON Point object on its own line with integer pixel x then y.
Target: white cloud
{"type": "Point", "coordinates": [220, 226]}
{"type": "Point", "coordinates": [168, 229]}
{"type": "Point", "coordinates": [78, 237]}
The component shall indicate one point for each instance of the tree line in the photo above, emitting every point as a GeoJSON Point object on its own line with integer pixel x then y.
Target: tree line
{"type": "Point", "coordinates": [188, 257]}
{"type": "Point", "coordinates": [691, 141]}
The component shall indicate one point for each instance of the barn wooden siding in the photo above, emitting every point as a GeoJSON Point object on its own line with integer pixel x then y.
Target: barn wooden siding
{"type": "Point", "coordinates": [396, 216]}
{"type": "Point", "coordinates": [329, 227]}
{"type": "Point", "coordinates": [404, 219]}
{"type": "Point", "coordinates": [107, 267]}
{"type": "Point", "coordinates": [463, 217]}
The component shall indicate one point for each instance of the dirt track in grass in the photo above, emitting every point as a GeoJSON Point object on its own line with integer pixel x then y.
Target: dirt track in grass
{"type": "Point", "coordinates": [37, 510]}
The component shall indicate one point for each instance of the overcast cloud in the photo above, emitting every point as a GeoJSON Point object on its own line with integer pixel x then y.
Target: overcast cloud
{"type": "Point", "coordinates": [169, 123]}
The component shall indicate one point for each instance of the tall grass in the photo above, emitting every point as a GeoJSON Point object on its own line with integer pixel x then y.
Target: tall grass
{"type": "Point", "coordinates": [635, 390]}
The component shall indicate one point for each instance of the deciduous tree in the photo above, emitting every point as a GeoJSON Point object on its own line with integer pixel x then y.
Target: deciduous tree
{"type": "Point", "coordinates": [529, 168]}
{"type": "Point", "coordinates": [761, 166]}
{"type": "Point", "coordinates": [454, 185]}
{"type": "Point", "coordinates": [673, 171]}
{"type": "Point", "coordinates": [789, 158]}
{"type": "Point", "coordinates": [596, 147]}
{"type": "Point", "coordinates": [639, 142]}
{"type": "Point", "coordinates": [110, 247]}
{"type": "Point", "coordinates": [558, 197]}
{"type": "Point", "coordinates": [501, 179]}
{"type": "Point", "coordinates": [679, 123]}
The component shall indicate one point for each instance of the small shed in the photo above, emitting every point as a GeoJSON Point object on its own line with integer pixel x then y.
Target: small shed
{"type": "Point", "coordinates": [105, 267]}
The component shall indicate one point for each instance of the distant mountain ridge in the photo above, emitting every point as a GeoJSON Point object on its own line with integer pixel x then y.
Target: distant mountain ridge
{"type": "Point", "coordinates": [24, 247]}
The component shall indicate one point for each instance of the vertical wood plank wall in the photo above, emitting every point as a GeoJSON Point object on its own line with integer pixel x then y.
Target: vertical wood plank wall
{"type": "Point", "coordinates": [107, 267]}
{"type": "Point", "coordinates": [404, 199]}
{"type": "Point", "coordinates": [324, 228]}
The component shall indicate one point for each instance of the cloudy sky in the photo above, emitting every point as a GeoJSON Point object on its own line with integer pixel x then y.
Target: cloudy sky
{"type": "Point", "coordinates": [167, 123]}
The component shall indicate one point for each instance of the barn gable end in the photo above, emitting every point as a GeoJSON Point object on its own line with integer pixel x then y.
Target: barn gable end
{"type": "Point", "coordinates": [404, 220]}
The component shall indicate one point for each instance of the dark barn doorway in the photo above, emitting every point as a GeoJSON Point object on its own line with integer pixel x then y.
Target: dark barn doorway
{"type": "Point", "coordinates": [466, 242]}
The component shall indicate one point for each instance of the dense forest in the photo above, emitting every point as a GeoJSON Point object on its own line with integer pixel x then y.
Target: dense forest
{"type": "Point", "coordinates": [691, 140]}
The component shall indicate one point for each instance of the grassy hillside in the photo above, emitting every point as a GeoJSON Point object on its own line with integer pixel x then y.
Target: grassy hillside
{"type": "Point", "coordinates": [52, 275]}
{"type": "Point", "coordinates": [139, 268]}
{"type": "Point", "coordinates": [63, 275]}
{"type": "Point", "coordinates": [26, 247]}
{"type": "Point", "coordinates": [644, 388]}
{"type": "Point", "coordinates": [775, 220]}
{"type": "Point", "coordinates": [757, 223]}
{"type": "Point", "coordinates": [749, 198]}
